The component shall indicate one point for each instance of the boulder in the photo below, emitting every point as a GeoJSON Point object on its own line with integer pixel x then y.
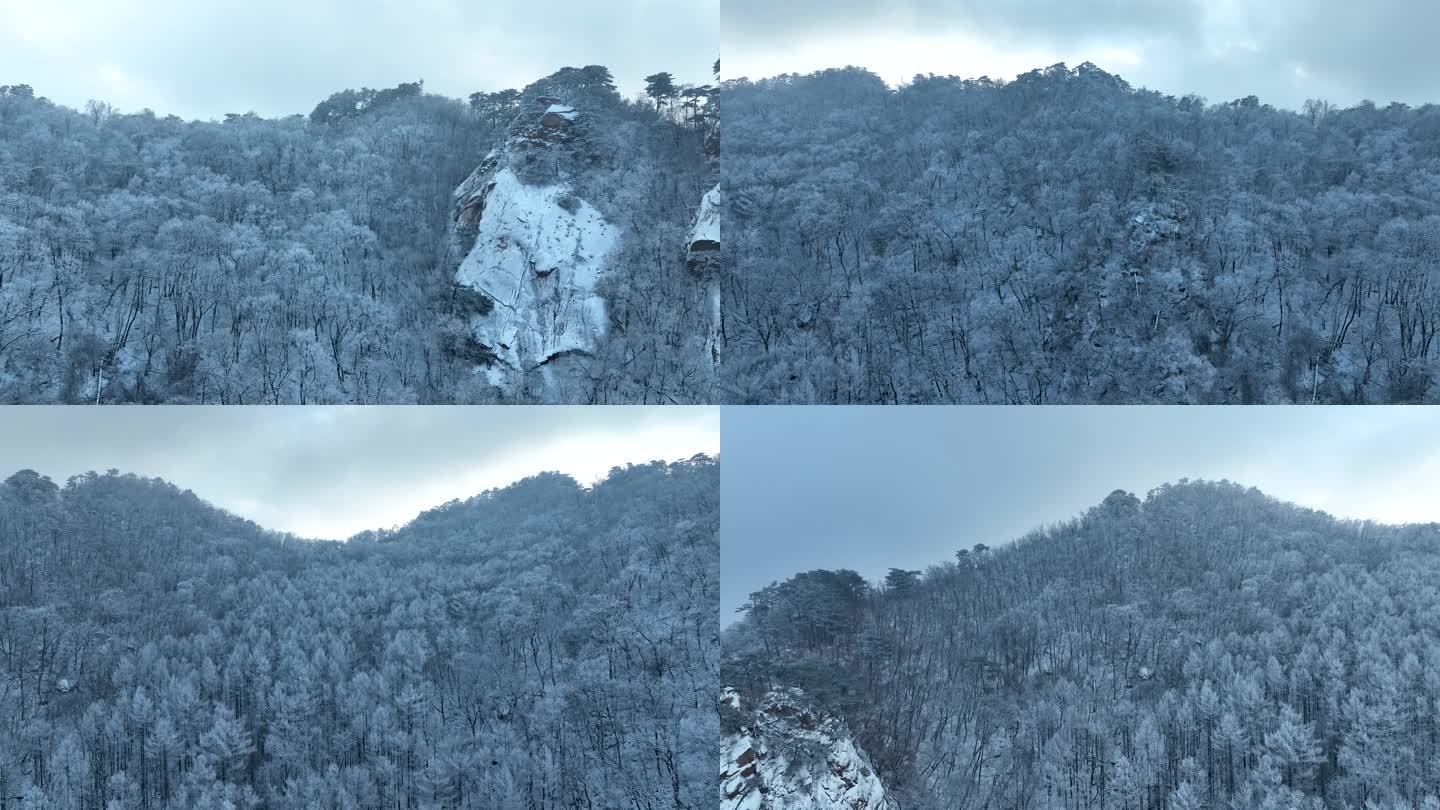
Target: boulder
{"type": "Point", "coordinates": [559, 116]}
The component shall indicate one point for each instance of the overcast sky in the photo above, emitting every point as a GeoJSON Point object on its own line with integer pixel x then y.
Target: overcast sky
{"type": "Point", "coordinates": [279, 57]}
{"type": "Point", "coordinates": [1283, 51]}
{"type": "Point", "coordinates": [328, 473]}
{"type": "Point", "coordinates": [875, 488]}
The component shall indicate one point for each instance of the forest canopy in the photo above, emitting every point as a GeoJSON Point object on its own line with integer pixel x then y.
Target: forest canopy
{"type": "Point", "coordinates": [544, 645]}
{"type": "Point", "coordinates": [1067, 238]}
{"type": "Point", "coordinates": [146, 259]}
{"type": "Point", "coordinates": [1204, 647]}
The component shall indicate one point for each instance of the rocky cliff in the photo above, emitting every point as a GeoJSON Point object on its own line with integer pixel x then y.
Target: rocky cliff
{"type": "Point", "coordinates": [703, 256]}
{"type": "Point", "coordinates": [533, 249]}
{"type": "Point", "coordinates": [582, 273]}
{"type": "Point", "coordinates": [705, 236]}
{"type": "Point", "coordinates": [785, 756]}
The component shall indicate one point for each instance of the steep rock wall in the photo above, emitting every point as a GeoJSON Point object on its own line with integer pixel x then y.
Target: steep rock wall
{"type": "Point", "coordinates": [786, 757]}
{"type": "Point", "coordinates": [535, 251]}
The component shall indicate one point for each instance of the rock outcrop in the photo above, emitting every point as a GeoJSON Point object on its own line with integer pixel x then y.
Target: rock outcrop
{"type": "Point", "coordinates": [703, 259]}
{"type": "Point", "coordinates": [703, 256]}
{"type": "Point", "coordinates": [705, 236]}
{"type": "Point", "coordinates": [547, 228]}
{"type": "Point", "coordinates": [533, 249]}
{"type": "Point", "coordinates": [558, 116]}
{"type": "Point", "coordinates": [785, 756]}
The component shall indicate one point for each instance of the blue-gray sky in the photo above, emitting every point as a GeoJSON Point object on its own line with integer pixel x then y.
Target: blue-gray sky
{"type": "Point", "coordinates": [329, 472]}
{"type": "Point", "coordinates": [875, 488]}
{"type": "Point", "coordinates": [1284, 51]}
{"type": "Point", "coordinates": [279, 57]}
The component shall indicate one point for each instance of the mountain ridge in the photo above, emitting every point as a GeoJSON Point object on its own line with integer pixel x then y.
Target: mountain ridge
{"type": "Point", "coordinates": [1067, 238]}
{"type": "Point", "coordinates": [1132, 636]}
{"type": "Point", "coordinates": [515, 649]}
{"type": "Point", "coordinates": [132, 484]}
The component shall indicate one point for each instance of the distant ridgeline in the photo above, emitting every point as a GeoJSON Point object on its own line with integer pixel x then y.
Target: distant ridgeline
{"type": "Point", "coordinates": [349, 104]}
{"type": "Point", "coordinates": [1206, 647]}
{"type": "Point", "coordinates": [543, 645]}
{"type": "Point", "coordinates": [1065, 237]}
{"type": "Point", "coordinates": [314, 259]}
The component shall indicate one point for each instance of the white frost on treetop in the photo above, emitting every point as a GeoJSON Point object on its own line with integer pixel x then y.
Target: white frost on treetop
{"type": "Point", "coordinates": [539, 261]}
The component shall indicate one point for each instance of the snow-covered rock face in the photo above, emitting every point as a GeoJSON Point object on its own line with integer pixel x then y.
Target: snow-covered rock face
{"type": "Point", "coordinates": [529, 252]}
{"type": "Point", "coordinates": [786, 758]}
{"type": "Point", "coordinates": [705, 237]}
{"type": "Point", "coordinates": [703, 258]}
{"type": "Point", "coordinates": [537, 253]}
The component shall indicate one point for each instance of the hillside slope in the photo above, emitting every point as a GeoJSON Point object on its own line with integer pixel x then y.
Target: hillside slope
{"type": "Point", "coordinates": [1205, 647]}
{"type": "Point", "coordinates": [1067, 238]}
{"type": "Point", "coordinates": [327, 259]}
{"type": "Point", "coordinates": [520, 649]}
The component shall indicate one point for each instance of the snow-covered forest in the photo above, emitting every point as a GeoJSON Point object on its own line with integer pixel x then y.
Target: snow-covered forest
{"type": "Point", "coordinates": [1205, 647]}
{"type": "Point", "coordinates": [312, 259]}
{"type": "Point", "coordinates": [1064, 237]}
{"type": "Point", "coordinates": [544, 645]}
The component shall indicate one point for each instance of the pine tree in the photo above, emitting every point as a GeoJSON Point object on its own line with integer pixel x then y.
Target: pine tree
{"type": "Point", "coordinates": [1293, 747]}
{"type": "Point", "coordinates": [228, 745]}
{"type": "Point", "coordinates": [661, 87]}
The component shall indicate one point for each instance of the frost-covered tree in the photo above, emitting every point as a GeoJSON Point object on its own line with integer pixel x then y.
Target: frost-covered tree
{"type": "Point", "coordinates": [544, 645]}
{"type": "Point", "coordinates": [1065, 237]}
{"type": "Point", "coordinates": [1205, 646]}
{"type": "Point", "coordinates": [306, 259]}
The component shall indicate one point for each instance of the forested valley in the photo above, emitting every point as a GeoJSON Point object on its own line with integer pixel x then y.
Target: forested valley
{"type": "Point", "coordinates": [311, 259]}
{"type": "Point", "coordinates": [540, 646]}
{"type": "Point", "coordinates": [1066, 238]}
{"type": "Point", "coordinates": [1207, 647]}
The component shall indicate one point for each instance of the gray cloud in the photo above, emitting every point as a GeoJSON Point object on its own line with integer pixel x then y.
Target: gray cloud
{"type": "Point", "coordinates": [874, 488]}
{"type": "Point", "coordinates": [329, 472]}
{"type": "Point", "coordinates": [1382, 50]}
{"type": "Point", "coordinates": [1283, 51]}
{"type": "Point", "coordinates": [759, 21]}
{"type": "Point", "coordinates": [278, 57]}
